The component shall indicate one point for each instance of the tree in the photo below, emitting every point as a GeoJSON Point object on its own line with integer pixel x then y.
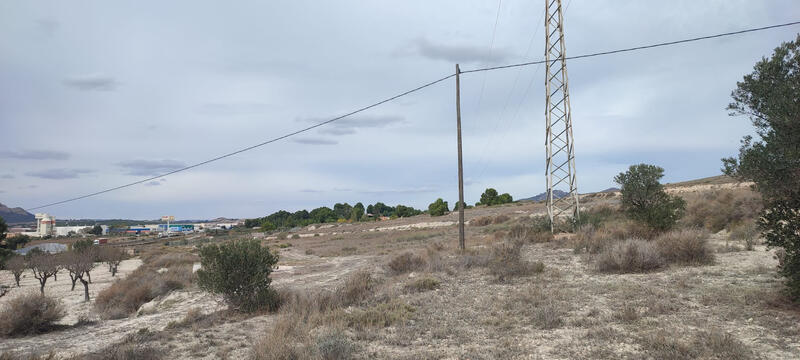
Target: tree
{"type": "Point", "coordinates": [406, 211]}
{"type": "Point", "coordinates": [455, 206]}
{"type": "Point", "coordinates": [644, 198]}
{"type": "Point", "coordinates": [112, 257]}
{"type": "Point", "coordinates": [79, 262]}
{"type": "Point", "coordinates": [240, 272]}
{"type": "Point", "coordinates": [358, 212]}
{"type": "Point", "coordinates": [770, 97]}
{"type": "Point", "coordinates": [16, 264]}
{"type": "Point", "coordinates": [438, 207]}
{"type": "Point", "coordinates": [267, 225]}
{"type": "Point", "coordinates": [490, 197]}
{"type": "Point", "coordinates": [96, 230]}
{"type": "Point", "coordinates": [342, 210]}
{"type": "Point", "coordinates": [43, 266]}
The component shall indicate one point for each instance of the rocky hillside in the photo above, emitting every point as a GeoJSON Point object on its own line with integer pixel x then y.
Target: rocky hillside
{"type": "Point", "coordinates": [15, 215]}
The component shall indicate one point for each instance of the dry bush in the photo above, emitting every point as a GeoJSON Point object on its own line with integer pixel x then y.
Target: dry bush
{"type": "Point", "coordinates": [133, 347]}
{"type": "Point", "coordinates": [471, 258]}
{"type": "Point", "coordinates": [288, 339]}
{"type": "Point", "coordinates": [627, 314]}
{"type": "Point", "coordinates": [499, 219]}
{"type": "Point", "coordinates": [719, 210]}
{"type": "Point", "coordinates": [356, 288]}
{"type": "Point", "coordinates": [406, 262]}
{"type": "Point", "coordinates": [144, 284]}
{"type": "Point", "coordinates": [748, 233]}
{"type": "Point", "coordinates": [507, 262]}
{"type": "Point", "coordinates": [379, 315]}
{"type": "Point", "coordinates": [630, 256]}
{"type": "Point", "coordinates": [434, 259]}
{"type": "Point", "coordinates": [685, 246]}
{"type": "Point", "coordinates": [334, 345]}
{"type": "Point", "coordinates": [547, 316]}
{"type": "Point", "coordinates": [703, 345]}
{"type": "Point", "coordinates": [481, 221]}
{"type": "Point", "coordinates": [722, 345]}
{"type": "Point", "coordinates": [423, 284]}
{"type": "Point", "coordinates": [29, 313]}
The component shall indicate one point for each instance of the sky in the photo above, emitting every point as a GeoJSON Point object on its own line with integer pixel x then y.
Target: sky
{"type": "Point", "coordinates": [97, 94]}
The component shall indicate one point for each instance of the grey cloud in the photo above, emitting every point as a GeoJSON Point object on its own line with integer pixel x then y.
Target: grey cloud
{"type": "Point", "coordinates": [91, 82]}
{"type": "Point", "coordinates": [150, 167]}
{"type": "Point", "coordinates": [48, 26]}
{"type": "Point", "coordinates": [311, 191]}
{"type": "Point", "coordinates": [460, 53]}
{"type": "Point", "coordinates": [235, 108]}
{"type": "Point", "coordinates": [314, 141]}
{"type": "Point", "coordinates": [152, 183]}
{"type": "Point", "coordinates": [58, 174]}
{"type": "Point", "coordinates": [35, 155]}
{"type": "Point", "coordinates": [400, 191]}
{"type": "Point", "coordinates": [349, 126]}
{"type": "Point", "coordinates": [7, 176]}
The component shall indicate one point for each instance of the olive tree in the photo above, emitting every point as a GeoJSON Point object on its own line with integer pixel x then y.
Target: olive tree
{"type": "Point", "coordinates": [770, 97]}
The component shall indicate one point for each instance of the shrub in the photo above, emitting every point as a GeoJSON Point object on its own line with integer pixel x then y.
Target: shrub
{"type": "Point", "coordinates": [240, 272]}
{"type": "Point", "coordinates": [356, 288]}
{"type": "Point", "coordinates": [287, 340]}
{"type": "Point", "coordinates": [334, 345]}
{"type": "Point", "coordinates": [528, 233]}
{"type": "Point", "coordinates": [423, 284]}
{"type": "Point", "coordinates": [499, 219]}
{"type": "Point", "coordinates": [380, 315]}
{"type": "Point", "coordinates": [547, 316]}
{"type": "Point", "coordinates": [687, 246]}
{"type": "Point", "coordinates": [144, 284]}
{"type": "Point", "coordinates": [597, 216]}
{"type": "Point", "coordinates": [644, 198]}
{"type": "Point", "coordinates": [438, 208]}
{"type": "Point", "coordinates": [506, 262]}
{"type": "Point", "coordinates": [748, 233]}
{"type": "Point", "coordinates": [630, 256]}
{"type": "Point", "coordinates": [133, 347]}
{"type": "Point", "coordinates": [481, 221]}
{"type": "Point", "coordinates": [30, 313]}
{"type": "Point", "coordinates": [723, 209]}
{"type": "Point", "coordinates": [406, 262]}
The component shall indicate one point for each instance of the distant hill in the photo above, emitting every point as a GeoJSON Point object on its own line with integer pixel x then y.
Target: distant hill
{"type": "Point", "coordinates": [15, 215]}
{"type": "Point", "coordinates": [612, 189]}
{"type": "Point", "coordinates": [557, 194]}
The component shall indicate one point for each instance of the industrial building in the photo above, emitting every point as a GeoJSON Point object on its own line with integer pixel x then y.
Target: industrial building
{"type": "Point", "coordinates": [45, 225]}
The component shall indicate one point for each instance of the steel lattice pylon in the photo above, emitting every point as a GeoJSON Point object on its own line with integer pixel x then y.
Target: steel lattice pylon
{"type": "Point", "coordinates": [559, 141]}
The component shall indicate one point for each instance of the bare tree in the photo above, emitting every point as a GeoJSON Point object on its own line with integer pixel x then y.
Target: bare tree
{"type": "Point", "coordinates": [112, 257]}
{"type": "Point", "coordinates": [17, 266]}
{"type": "Point", "coordinates": [79, 263]}
{"type": "Point", "coordinates": [65, 259]}
{"type": "Point", "coordinates": [44, 266]}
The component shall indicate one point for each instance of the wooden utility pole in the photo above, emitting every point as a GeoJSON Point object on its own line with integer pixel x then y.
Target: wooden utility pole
{"type": "Point", "coordinates": [460, 163]}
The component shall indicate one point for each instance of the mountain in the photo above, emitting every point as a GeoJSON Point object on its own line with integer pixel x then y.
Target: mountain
{"type": "Point", "coordinates": [613, 189]}
{"type": "Point", "coordinates": [557, 194]}
{"type": "Point", "coordinates": [15, 215]}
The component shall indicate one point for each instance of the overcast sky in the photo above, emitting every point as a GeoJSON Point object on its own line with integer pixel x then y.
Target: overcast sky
{"type": "Point", "coordinates": [95, 94]}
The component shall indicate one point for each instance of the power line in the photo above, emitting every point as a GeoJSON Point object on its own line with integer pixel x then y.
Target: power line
{"type": "Point", "coordinates": [418, 88]}
{"type": "Point", "coordinates": [635, 48]}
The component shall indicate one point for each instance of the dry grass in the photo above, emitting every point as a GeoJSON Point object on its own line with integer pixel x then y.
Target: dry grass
{"type": "Point", "coordinates": [30, 313]}
{"type": "Point", "coordinates": [406, 262]}
{"type": "Point", "coordinates": [135, 346]}
{"type": "Point", "coordinates": [704, 344]}
{"type": "Point", "coordinates": [507, 262]}
{"type": "Point", "coordinates": [630, 256]}
{"type": "Point", "coordinates": [144, 284]}
{"type": "Point", "coordinates": [423, 284]}
{"type": "Point", "coordinates": [719, 210]}
{"type": "Point", "coordinates": [685, 246]}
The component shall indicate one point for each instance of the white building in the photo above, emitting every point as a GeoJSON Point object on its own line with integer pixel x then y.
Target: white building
{"type": "Point", "coordinates": [45, 225]}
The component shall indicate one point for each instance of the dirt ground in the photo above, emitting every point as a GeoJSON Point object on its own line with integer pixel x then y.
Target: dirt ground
{"type": "Point", "coordinates": [568, 311]}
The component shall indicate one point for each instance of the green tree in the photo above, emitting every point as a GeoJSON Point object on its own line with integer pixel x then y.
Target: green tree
{"type": "Point", "coordinates": [267, 225]}
{"type": "Point", "coordinates": [644, 198]}
{"type": "Point", "coordinates": [240, 272]}
{"type": "Point", "coordinates": [770, 97]}
{"type": "Point", "coordinates": [505, 198]}
{"type": "Point", "coordinates": [438, 207]}
{"type": "Point", "coordinates": [358, 212]}
{"type": "Point", "coordinates": [343, 211]}
{"type": "Point", "coordinates": [96, 230]}
{"type": "Point", "coordinates": [488, 198]}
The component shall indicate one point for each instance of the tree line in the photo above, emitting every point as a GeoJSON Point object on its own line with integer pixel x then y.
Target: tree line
{"type": "Point", "coordinates": [341, 212]}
